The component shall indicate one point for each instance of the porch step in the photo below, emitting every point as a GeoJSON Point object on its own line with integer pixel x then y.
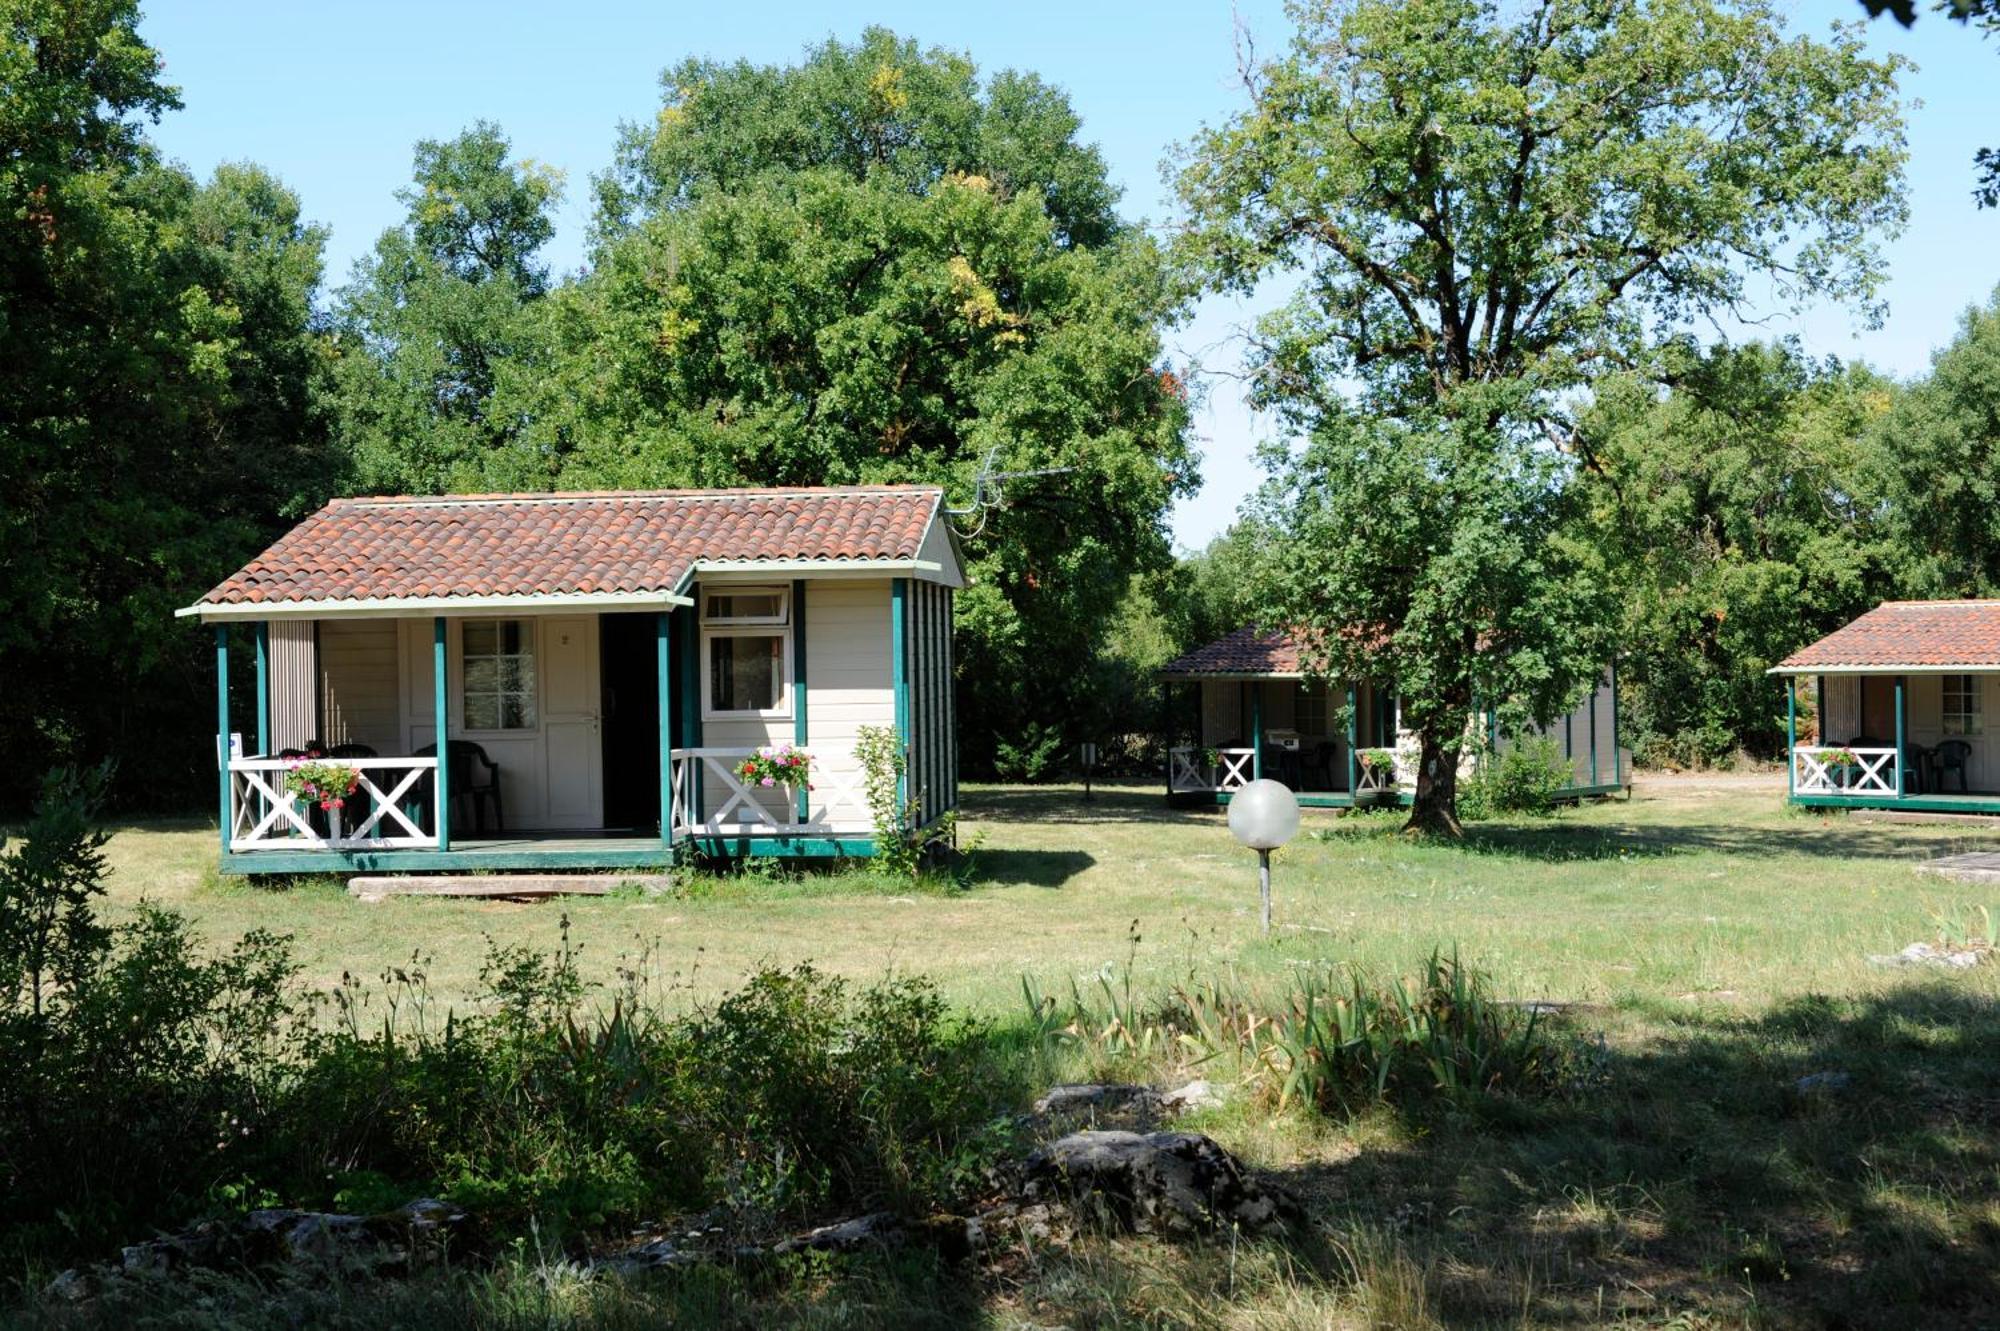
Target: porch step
{"type": "Point", "coordinates": [506, 886]}
{"type": "Point", "coordinates": [1979, 866]}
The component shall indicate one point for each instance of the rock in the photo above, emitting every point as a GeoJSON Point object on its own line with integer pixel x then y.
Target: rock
{"type": "Point", "coordinates": [878, 1229]}
{"type": "Point", "coordinates": [381, 1244]}
{"type": "Point", "coordinates": [1153, 1183]}
{"type": "Point", "coordinates": [1823, 1083]}
{"type": "Point", "coordinates": [1097, 1105]}
{"type": "Point", "coordinates": [1923, 954]}
{"type": "Point", "coordinates": [1191, 1097]}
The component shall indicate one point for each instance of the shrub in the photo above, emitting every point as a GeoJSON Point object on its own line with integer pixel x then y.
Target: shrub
{"type": "Point", "coordinates": [901, 842]}
{"type": "Point", "coordinates": [1526, 778]}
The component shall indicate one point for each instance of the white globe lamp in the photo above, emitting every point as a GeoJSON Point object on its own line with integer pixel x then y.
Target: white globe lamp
{"type": "Point", "coordinates": [1264, 815]}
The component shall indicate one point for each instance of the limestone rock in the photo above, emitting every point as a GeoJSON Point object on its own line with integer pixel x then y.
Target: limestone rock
{"type": "Point", "coordinates": [1153, 1183]}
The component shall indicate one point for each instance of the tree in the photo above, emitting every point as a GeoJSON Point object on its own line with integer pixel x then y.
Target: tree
{"type": "Point", "coordinates": [159, 382]}
{"type": "Point", "coordinates": [871, 268]}
{"type": "Point", "coordinates": [1490, 208]}
{"type": "Point", "coordinates": [1940, 461]}
{"type": "Point", "coordinates": [440, 318]}
{"type": "Point", "coordinates": [1737, 493]}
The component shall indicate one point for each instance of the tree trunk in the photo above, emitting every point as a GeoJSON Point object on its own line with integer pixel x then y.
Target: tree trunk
{"type": "Point", "coordinates": [1434, 810]}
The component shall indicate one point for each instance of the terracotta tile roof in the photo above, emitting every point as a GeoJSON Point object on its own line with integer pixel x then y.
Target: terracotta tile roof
{"type": "Point", "coordinates": [1248, 651]}
{"type": "Point", "coordinates": [1910, 633]}
{"type": "Point", "coordinates": [583, 543]}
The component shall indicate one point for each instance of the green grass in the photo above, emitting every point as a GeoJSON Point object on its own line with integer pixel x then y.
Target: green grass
{"type": "Point", "coordinates": [1714, 943]}
{"type": "Point", "coordinates": [1690, 894]}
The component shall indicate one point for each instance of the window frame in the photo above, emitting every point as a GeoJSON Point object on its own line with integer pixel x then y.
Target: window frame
{"type": "Point", "coordinates": [1972, 706]}
{"type": "Point", "coordinates": [777, 626]}
{"type": "Point", "coordinates": [532, 626]}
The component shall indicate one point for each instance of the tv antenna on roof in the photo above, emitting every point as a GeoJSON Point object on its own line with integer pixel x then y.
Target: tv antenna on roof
{"type": "Point", "coordinates": [988, 491]}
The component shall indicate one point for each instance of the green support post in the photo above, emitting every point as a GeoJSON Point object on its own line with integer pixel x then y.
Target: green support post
{"type": "Point", "coordinates": [1353, 737]}
{"type": "Point", "coordinates": [1593, 736]}
{"type": "Point", "coordinates": [1257, 730]}
{"type": "Point", "coordinates": [1899, 736]}
{"type": "Point", "coordinates": [1791, 735]}
{"type": "Point", "coordinates": [1618, 758]}
{"type": "Point", "coordinates": [222, 728]}
{"type": "Point", "coordinates": [801, 729]}
{"type": "Point", "coordinates": [443, 723]}
{"type": "Point", "coordinates": [263, 639]}
{"type": "Point", "coordinates": [899, 667]}
{"type": "Point", "coordinates": [663, 657]}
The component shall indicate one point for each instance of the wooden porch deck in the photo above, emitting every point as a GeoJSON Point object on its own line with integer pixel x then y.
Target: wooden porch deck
{"type": "Point", "coordinates": [528, 850]}
{"type": "Point", "coordinates": [1953, 802]}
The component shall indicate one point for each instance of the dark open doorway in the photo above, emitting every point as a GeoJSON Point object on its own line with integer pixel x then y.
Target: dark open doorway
{"type": "Point", "coordinates": [630, 677]}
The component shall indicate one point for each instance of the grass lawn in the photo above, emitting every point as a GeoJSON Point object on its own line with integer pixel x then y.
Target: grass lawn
{"type": "Point", "coordinates": [1713, 947]}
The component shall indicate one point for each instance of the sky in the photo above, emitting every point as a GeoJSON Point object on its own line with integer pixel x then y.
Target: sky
{"type": "Point", "coordinates": [332, 97]}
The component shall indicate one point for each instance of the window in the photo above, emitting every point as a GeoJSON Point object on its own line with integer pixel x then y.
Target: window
{"type": "Point", "coordinates": [499, 678]}
{"type": "Point", "coordinates": [1310, 718]}
{"type": "Point", "coordinates": [1963, 712]}
{"type": "Point", "coordinates": [746, 651]}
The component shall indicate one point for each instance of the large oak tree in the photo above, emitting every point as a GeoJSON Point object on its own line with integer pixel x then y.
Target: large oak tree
{"type": "Point", "coordinates": [1484, 208]}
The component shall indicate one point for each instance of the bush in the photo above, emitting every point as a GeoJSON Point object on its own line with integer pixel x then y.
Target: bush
{"type": "Point", "coordinates": [1524, 779]}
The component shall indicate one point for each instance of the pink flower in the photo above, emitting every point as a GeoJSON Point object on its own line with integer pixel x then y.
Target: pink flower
{"type": "Point", "coordinates": [769, 782]}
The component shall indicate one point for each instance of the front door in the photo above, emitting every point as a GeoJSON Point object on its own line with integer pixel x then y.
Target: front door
{"type": "Point", "coordinates": [631, 711]}
{"type": "Point", "coordinates": [570, 726]}
{"type": "Point", "coordinates": [1878, 709]}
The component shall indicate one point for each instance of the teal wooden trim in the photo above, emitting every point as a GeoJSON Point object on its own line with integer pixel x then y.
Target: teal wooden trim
{"type": "Point", "coordinates": [663, 671]}
{"type": "Point", "coordinates": [1899, 735]}
{"type": "Point", "coordinates": [1987, 804]}
{"type": "Point", "coordinates": [441, 718]}
{"type": "Point", "coordinates": [1593, 735]}
{"type": "Point", "coordinates": [950, 686]}
{"type": "Point", "coordinates": [377, 861]}
{"type": "Point", "coordinates": [1353, 736]}
{"type": "Point", "coordinates": [899, 670]}
{"type": "Point", "coordinates": [801, 727]}
{"type": "Point", "coordinates": [1791, 735]}
{"type": "Point", "coordinates": [262, 637]}
{"type": "Point", "coordinates": [1257, 730]}
{"type": "Point", "coordinates": [1617, 753]}
{"type": "Point", "coordinates": [690, 692]}
{"type": "Point", "coordinates": [784, 847]}
{"type": "Point", "coordinates": [222, 731]}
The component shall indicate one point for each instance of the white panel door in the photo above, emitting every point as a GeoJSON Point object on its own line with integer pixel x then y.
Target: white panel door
{"type": "Point", "coordinates": [570, 724]}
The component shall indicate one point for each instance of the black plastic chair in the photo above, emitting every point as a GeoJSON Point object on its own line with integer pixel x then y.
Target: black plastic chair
{"type": "Point", "coordinates": [479, 789]}
{"type": "Point", "coordinates": [1950, 756]}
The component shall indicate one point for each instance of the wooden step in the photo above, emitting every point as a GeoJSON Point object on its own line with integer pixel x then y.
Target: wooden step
{"type": "Point", "coordinates": [506, 886]}
{"type": "Point", "coordinates": [1982, 866]}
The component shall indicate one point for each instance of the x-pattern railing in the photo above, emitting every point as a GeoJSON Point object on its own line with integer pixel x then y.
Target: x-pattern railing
{"type": "Point", "coordinates": [1873, 771]}
{"type": "Point", "coordinates": [1189, 770]}
{"type": "Point", "coordinates": [264, 816]}
{"type": "Point", "coordinates": [835, 805]}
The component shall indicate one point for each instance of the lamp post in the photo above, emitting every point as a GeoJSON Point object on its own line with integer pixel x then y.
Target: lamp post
{"type": "Point", "coordinates": [1264, 815]}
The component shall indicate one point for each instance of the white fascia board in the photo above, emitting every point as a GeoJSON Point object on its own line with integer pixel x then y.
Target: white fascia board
{"type": "Point", "coordinates": [1236, 675]}
{"type": "Point", "coordinates": [380, 607]}
{"type": "Point", "coordinates": [1966, 668]}
{"type": "Point", "coordinates": [810, 568]}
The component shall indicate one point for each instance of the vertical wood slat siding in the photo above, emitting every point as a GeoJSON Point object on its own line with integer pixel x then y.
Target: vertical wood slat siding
{"type": "Point", "coordinates": [950, 701]}
{"type": "Point", "coordinates": [294, 684]}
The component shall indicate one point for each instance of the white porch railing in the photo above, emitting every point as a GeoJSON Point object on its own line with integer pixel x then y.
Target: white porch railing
{"type": "Point", "coordinates": [1375, 780]}
{"type": "Point", "coordinates": [1873, 771]}
{"type": "Point", "coordinates": [263, 816]}
{"type": "Point", "coordinates": [1189, 770]}
{"type": "Point", "coordinates": [709, 799]}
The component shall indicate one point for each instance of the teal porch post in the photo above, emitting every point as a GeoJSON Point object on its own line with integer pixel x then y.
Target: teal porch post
{"type": "Point", "coordinates": [1593, 734]}
{"type": "Point", "coordinates": [899, 668]}
{"type": "Point", "coordinates": [1899, 736]}
{"type": "Point", "coordinates": [1353, 737]}
{"type": "Point", "coordinates": [443, 721]}
{"type": "Point", "coordinates": [263, 688]}
{"type": "Point", "coordinates": [222, 728]}
{"type": "Point", "coordinates": [801, 729]}
{"type": "Point", "coordinates": [663, 656]}
{"type": "Point", "coordinates": [1791, 735]}
{"type": "Point", "coordinates": [1257, 730]}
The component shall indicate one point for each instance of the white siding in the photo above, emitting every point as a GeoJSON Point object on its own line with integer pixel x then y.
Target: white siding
{"type": "Point", "coordinates": [358, 701]}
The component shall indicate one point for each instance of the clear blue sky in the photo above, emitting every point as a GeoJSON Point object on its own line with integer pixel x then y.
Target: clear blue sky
{"type": "Point", "coordinates": [331, 97]}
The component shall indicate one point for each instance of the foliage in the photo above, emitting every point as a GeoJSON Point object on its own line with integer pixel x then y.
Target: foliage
{"type": "Point", "coordinates": [1378, 760]}
{"type": "Point", "coordinates": [901, 841]}
{"type": "Point", "coordinates": [778, 765]}
{"type": "Point", "coordinates": [439, 322]}
{"type": "Point", "coordinates": [327, 784]}
{"type": "Point", "coordinates": [161, 397]}
{"type": "Point", "coordinates": [1333, 1043]}
{"type": "Point", "coordinates": [1735, 493]}
{"type": "Point", "coordinates": [1522, 778]}
{"type": "Point", "coordinates": [49, 934]}
{"type": "Point", "coordinates": [1472, 261]}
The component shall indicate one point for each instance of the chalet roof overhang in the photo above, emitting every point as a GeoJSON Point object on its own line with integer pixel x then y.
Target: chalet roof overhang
{"type": "Point", "coordinates": [1906, 638]}
{"type": "Point", "coordinates": [613, 550]}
